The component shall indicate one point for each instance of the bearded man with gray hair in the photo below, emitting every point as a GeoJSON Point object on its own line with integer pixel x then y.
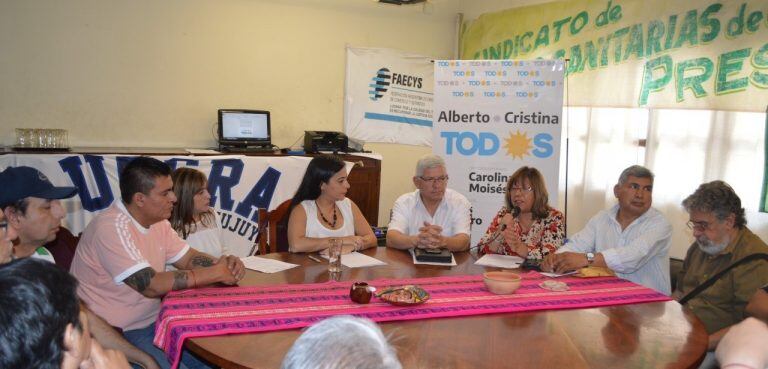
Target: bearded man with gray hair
{"type": "Point", "coordinates": [722, 239]}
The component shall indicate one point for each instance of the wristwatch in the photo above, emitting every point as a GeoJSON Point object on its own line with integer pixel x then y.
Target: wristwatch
{"type": "Point", "coordinates": [590, 258]}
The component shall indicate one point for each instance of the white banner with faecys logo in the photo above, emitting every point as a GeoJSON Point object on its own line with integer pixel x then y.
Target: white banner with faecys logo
{"type": "Point", "coordinates": [388, 96]}
{"type": "Point", "coordinates": [492, 117]}
{"type": "Point", "coordinates": [239, 185]}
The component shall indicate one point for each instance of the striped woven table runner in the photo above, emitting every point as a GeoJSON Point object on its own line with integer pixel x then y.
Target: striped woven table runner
{"type": "Point", "coordinates": [220, 311]}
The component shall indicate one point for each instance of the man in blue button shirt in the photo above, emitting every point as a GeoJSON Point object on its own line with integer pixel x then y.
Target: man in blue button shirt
{"type": "Point", "coordinates": [631, 238]}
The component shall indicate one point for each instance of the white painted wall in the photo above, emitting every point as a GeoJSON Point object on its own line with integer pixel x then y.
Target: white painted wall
{"type": "Point", "coordinates": [474, 8]}
{"type": "Point", "coordinates": [153, 73]}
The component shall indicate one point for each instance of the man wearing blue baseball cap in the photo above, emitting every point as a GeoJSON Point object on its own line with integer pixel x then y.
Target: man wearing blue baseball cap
{"type": "Point", "coordinates": [32, 208]}
{"type": "Point", "coordinates": [31, 205]}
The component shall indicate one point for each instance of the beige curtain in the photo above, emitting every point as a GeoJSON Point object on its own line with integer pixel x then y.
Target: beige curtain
{"type": "Point", "coordinates": [684, 148]}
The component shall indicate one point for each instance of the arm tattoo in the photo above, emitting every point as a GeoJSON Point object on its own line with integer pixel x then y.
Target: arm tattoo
{"type": "Point", "coordinates": [201, 261]}
{"type": "Point", "coordinates": [179, 280]}
{"type": "Point", "coordinates": [139, 281]}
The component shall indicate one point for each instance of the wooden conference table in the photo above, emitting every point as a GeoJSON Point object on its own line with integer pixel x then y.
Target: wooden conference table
{"type": "Point", "coordinates": [649, 335]}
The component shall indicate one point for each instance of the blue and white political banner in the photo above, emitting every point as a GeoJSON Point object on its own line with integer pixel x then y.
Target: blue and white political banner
{"type": "Point", "coordinates": [493, 117]}
{"type": "Point", "coordinates": [388, 96]}
{"type": "Point", "coordinates": [239, 185]}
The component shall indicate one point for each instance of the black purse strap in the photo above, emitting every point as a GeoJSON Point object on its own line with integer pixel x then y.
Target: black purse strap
{"type": "Point", "coordinates": [709, 282]}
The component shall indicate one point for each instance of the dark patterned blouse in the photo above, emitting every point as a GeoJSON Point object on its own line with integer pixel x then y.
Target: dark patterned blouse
{"type": "Point", "coordinates": [545, 235]}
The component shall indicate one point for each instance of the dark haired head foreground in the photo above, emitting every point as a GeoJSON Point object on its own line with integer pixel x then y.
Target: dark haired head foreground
{"type": "Point", "coordinates": [320, 210]}
{"type": "Point", "coordinates": [342, 342]}
{"type": "Point", "coordinates": [722, 238]}
{"type": "Point", "coordinates": [41, 324]}
{"type": "Point", "coordinates": [432, 217]}
{"type": "Point", "coordinates": [631, 238]}
{"type": "Point", "coordinates": [122, 256]}
{"type": "Point", "coordinates": [537, 230]}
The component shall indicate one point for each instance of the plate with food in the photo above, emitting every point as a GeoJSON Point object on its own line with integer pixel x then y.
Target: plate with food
{"type": "Point", "coordinates": [554, 285]}
{"type": "Point", "coordinates": [404, 295]}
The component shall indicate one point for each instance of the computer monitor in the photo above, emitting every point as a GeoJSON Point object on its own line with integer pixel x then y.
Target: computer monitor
{"type": "Point", "coordinates": [242, 128]}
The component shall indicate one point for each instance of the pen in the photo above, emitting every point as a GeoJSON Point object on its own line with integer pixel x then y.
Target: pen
{"type": "Point", "coordinates": [315, 259]}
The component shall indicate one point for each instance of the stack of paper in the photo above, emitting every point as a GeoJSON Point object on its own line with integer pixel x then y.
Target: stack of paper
{"type": "Point", "coordinates": [500, 261]}
{"type": "Point", "coordinates": [356, 260]}
{"type": "Point", "coordinates": [265, 265]}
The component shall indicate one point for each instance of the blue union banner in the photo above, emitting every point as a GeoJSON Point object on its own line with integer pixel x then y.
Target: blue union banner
{"type": "Point", "coordinates": [239, 185]}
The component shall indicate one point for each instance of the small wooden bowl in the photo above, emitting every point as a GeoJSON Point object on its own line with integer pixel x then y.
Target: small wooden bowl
{"type": "Point", "coordinates": [502, 283]}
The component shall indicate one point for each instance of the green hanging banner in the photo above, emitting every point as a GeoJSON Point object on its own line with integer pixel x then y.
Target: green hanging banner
{"type": "Point", "coordinates": [692, 54]}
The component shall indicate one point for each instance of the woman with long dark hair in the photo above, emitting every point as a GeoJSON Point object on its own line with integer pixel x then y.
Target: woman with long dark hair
{"type": "Point", "coordinates": [193, 218]}
{"type": "Point", "coordinates": [526, 225]}
{"type": "Point", "coordinates": [320, 210]}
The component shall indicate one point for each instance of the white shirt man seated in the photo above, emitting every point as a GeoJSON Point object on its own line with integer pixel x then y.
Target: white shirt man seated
{"type": "Point", "coordinates": [433, 216]}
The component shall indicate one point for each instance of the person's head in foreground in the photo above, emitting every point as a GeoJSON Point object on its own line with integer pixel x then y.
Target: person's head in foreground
{"type": "Point", "coordinates": [32, 207]}
{"type": "Point", "coordinates": [634, 191]}
{"type": "Point", "coordinates": [715, 216]}
{"type": "Point", "coordinates": [743, 347]}
{"type": "Point", "coordinates": [526, 190]}
{"type": "Point", "coordinates": [431, 178]}
{"type": "Point", "coordinates": [41, 324]}
{"type": "Point", "coordinates": [342, 342]}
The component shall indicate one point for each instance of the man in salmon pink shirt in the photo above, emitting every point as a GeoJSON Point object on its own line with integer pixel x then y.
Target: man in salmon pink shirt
{"type": "Point", "coordinates": [121, 258]}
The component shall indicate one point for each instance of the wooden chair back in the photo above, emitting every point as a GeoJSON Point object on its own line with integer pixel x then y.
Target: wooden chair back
{"type": "Point", "coordinates": [262, 238]}
{"type": "Point", "coordinates": [278, 227]}
{"type": "Point", "coordinates": [273, 229]}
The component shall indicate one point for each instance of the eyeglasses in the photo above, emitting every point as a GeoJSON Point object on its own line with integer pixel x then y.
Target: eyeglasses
{"type": "Point", "coordinates": [698, 226]}
{"type": "Point", "coordinates": [433, 180]}
{"type": "Point", "coordinates": [521, 189]}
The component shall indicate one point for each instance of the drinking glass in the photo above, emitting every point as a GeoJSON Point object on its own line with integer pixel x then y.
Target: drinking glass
{"type": "Point", "coordinates": [62, 138]}
{"type": "Point", "coordinates": [334, 255]}
{"type": "Point", "coordinates": [50, 138]}
{"type": "Point", "coordinates": [21, 137]}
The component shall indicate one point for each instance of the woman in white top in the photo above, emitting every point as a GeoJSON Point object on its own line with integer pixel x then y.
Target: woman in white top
{"type": "Point", "coordinates": [193, 218]}
{"type": "Point", "coordinates": [320, 210]}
